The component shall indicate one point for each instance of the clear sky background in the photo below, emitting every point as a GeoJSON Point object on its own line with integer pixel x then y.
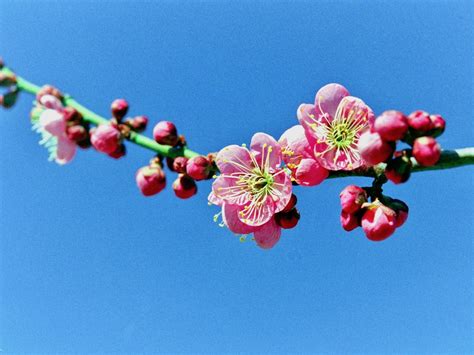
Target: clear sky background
{"type": "Point", "coordinates": [89, 265]}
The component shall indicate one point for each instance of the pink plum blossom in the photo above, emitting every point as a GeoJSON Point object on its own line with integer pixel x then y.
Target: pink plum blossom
{"type": "Point", "coordinates": [252, 187]}
{"type": "Point", "coordinates": [379, 221]}
{"type": "Point", "coordinates": [52, 126]}
{"type": "Point", "coordinates": [333, 125]}
{"type": "Point", "coordinates": [299, 158]}
{"type": "Point", "coordinates": [426, 151]}
{"type": "Point", "coordinates": [106, 138]}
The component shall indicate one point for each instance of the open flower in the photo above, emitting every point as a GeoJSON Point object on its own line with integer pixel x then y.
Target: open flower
{"type": "Point", "coordinates": [52, 126]}
{"type": "Point", "coordinates": [252, 187]}
{"type": "Point", "coordinates": [333, 126]}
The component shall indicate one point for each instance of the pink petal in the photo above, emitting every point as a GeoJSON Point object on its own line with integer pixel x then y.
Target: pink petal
{"type": "Point", "coordinates": [328, 98]}
{"type": "Point", "coordinates": [294, 142]}
{"type": "Point", "coordinates": [66, 150]}
{"type": "Point", "coordinates": [255, 214]}
{"type": "Point", "coordinates": [310, 173]}
{"type": "Point", "coordinates": [234, 158]}
{"type": "Point", "coordinates": [51, 102]}
{"type": "Point", "coordinates": [224, 189]}
{"type": "Point", "coordinates": [284, 187]}
{"type": "Point", "coordinates": [259, 147]}
{"type": "Point", "coordinates": [53, 122]}
{"type": "Point", "coordinates": [232, 221]}
{"type": "Point", "coordinates": [267, 235]}
{"type": "Point", "coordinates": [212, 198]}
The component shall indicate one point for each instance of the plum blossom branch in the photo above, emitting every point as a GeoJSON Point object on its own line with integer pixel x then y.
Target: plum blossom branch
{"type": "Point", "coordinates": [337, 136]}
{"type": "Point", "coordinates": [449, 158]}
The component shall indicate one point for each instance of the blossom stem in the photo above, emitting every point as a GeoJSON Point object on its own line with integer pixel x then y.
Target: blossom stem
{"type": "Point", "coordinates": [449, 158]}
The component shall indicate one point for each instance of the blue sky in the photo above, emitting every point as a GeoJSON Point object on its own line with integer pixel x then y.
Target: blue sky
{"type": "Point", "coordinates": [89, 265]}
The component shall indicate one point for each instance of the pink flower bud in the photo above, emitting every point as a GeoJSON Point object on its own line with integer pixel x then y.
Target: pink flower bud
{"type": "Point", "coordinates": [150, 180]}
{"type": "Point", "coordinates": [105, 138]}
{"type": "Point", "coordinates": [352, 198]}
{"type": "Point", "coordinates": [349, 221]}
{"type": "Point", "coordinates": [378, 222]}
{"type": "Point", "coordinates": [291, 203]}
{"type": "Point", "coordinates": [398, 169]}
{"type": "Point", "coordinates": [179, 164]}
{"type": "Point", "coordinates": [391, 125]}
{"type": "Point", "coordinates": [439, 125]}
{"type": "Point", "coordinates": [119, 152]}
{"type": "Point", "coordinates": [72, 115]}
{"type": "Point", "coordinates": [401, 209]}
{"type": "Point", "coordinates": [420, 121]}
{"type": "Point", "coordinates": [199, 168]}
{"type": "Point", "coordinates": [139, 123]}
{"type": "Point", "coordinates": [287, 220]}
{"type": "Point", "coordinates": [165, 132]}
{"type": "Point", "coordinates": [119, 108]}
{"type": "Point", "coordinates": [76, 133]}
{"type": "Point", "coordinates": [373, 149]}
{"type": "Point", "coordinates": [426, 151]}
{"type": "Point", "coordinates": [184, 186]}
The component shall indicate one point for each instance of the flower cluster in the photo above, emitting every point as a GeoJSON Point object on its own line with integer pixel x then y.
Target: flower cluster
{"type": "Point", "coordinates": [378, 218]}
{"type": "Point", "coordinates": [338, 134]}
{"type": "Point", "coordinates": [62, 128]}
{"type": "Point", "coordinates": [151, 179]}
{"type": "Point", "coordinates": [418, 130]}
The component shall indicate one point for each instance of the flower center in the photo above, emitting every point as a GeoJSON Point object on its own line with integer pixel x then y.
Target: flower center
{"type": "Point", "coordinates": [340, 134]}
{"type": "Point", "coordinates": [260, 182]}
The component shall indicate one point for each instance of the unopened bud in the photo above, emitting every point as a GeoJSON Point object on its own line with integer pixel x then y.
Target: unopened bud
{"type": "Point", "coordinates": [7, 79]}
{"type": "Point", "coordinates": [439, 125]}
{"type": "Point", "coordinates": [105, 138]}
{"type": "Point", "coordinates": [165, 132]}
{"type": "Point", "coordinates": [199, 168]}
{"type": "Point", "coordinates": [291, 203]}
{"type": "Point", "coordinates": [352, 198]}
{"type": "Point", "coordinates": [150, 180]}
{"type": "Point", "coordinates": [398, 169]}
{"type": "Point", "coordinates": [420, 122]}
{"type": "Point", "coordinates": [119, 108]}
{"type": "Point", "coordinates": [287, 220]}
{"type": "Point", "coordinates": [179, 164]}
{"type": "Point", "coordinates": [76, 133]}
{"type": "Point", "coordinates": [8, 100]}
{"type": "Point", "coordinates": [373, 149]}
{"type": "Point", "coordinates": [391, 125]}
{"type": "Point", "coordinates": [378, 222]}
{"type": "Point", "coordinates": [349, 221]}
{"type": "Point", "coordinates": [184, 187]}
{"type": "Point", "coordinates": [426, 151]}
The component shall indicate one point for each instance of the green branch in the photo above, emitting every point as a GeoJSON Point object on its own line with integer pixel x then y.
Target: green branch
{"type": "Point", "coordinates": [449, 158]}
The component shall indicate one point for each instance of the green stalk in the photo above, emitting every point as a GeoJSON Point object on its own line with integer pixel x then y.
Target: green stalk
{"type": "Point", "coordinates": [449, 158]}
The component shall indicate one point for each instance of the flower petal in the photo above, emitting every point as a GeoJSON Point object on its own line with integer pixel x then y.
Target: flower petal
{"type": "Point", "coordinates": [231, 219]}
{"type": "Point", "coordinates": [267, 235]}
{"type": "Point", "coordinates": [234, 158]}
{"type": "Point", "coordinates": [328, 98]}
{"type": "Point", "coordinates": [256, 213]}
{"type": "Point", "coordinates": [266, 150]}
{"type": "Point", "coordinates": [225, 189]}
{"type": "Point", "coordinates": [53, 122]}
{"type": "Point", "coordinates": [213, 199]}
{"type": "Point", "coordinates": [310, 173]}
{"type": "Point", "coordinates": [66, 150]}
{"type": "Point", "coordinates": [282, 188]}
